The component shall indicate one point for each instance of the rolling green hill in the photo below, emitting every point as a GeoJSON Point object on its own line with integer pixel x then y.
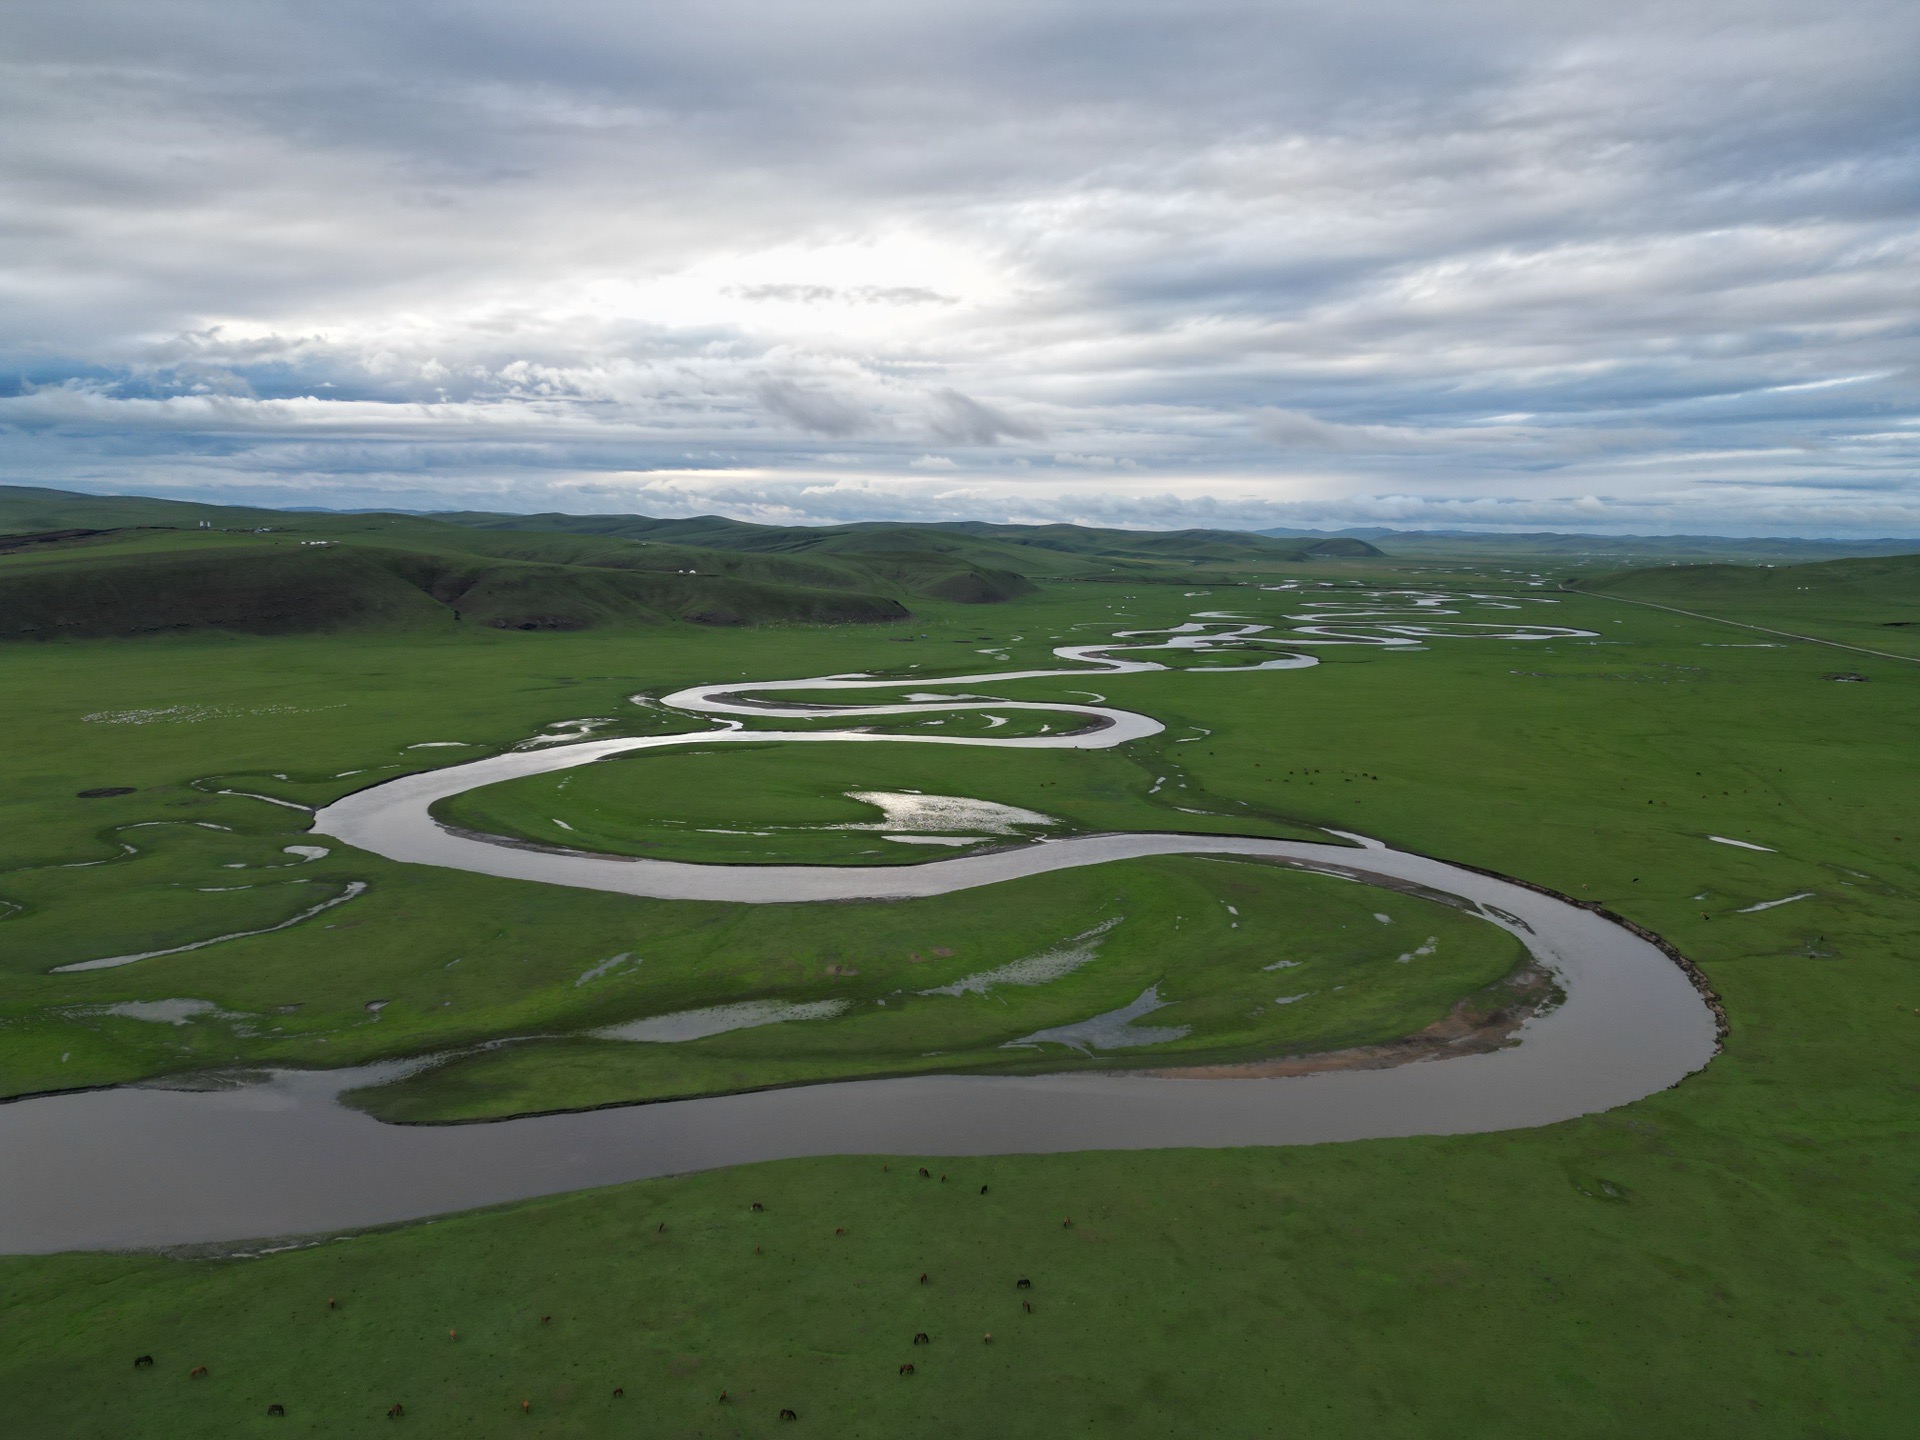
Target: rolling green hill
{"type": "Point", "coordinates": [82, 566]}
{"type": "Point", "coordinates": [1031, 550]}
{"type": "Point", "coordinates": [1614, 551]}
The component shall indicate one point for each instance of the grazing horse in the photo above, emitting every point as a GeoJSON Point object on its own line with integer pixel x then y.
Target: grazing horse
{"type": "Point", "coordinates": [923, 1278]}
{"type": "Point", "coordinates": [921, 1339]}
{"type": "Point", "coordinates": [788, 1415]}
{"type": "Point", "coordinates": [907, 1369]}
{"type": "Point", "coordinates": [1067, 1224]}
{"type": "Point", "coordinates": [989, 1338]}
{"type": "Point", "coordinates": [546, 1319]}
{"type": "Point", "coordinates": [332, 1304]}
{"type": "Point", "coordinates": [1023, 1283]}
{"type": "Point", "coordinates": [983, 1189]}
{"type": "Point", "coordinates": [396, 1410]}
{"type": "Point", "coordinates": [619, 1391]}
{"type": "Point", "coordinates": [838, 1230]}
{"type": "Point", "coordinates": [277, 1410]}
{"type": "Point", "coordinates": [1027, 1306]}
{"type": "Point", "coordinates": [526, 1406]}
{"type": "Point", "coordinates": [143, 1362]}
{"type": "Point", "coordinates": [925, 1174]}
{"type": "Point", "coordinates": [198, 1372]}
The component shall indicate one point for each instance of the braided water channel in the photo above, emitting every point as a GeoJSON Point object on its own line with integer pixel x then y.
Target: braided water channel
{"type": "Point", "coordinates": [277, 1154]}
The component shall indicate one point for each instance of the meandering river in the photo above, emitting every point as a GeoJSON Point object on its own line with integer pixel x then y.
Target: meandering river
{"type": "Point", "coordinates": [276, 1154]}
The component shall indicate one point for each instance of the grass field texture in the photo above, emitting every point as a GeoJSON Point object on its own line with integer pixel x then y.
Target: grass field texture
{"type": "Point", "coordinates": [1731, 1257]}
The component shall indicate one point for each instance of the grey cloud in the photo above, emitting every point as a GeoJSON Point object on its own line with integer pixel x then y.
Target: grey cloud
{"type": "Point", "coordinates": [853, 295]}
{"type": "Point", "coordinates": [1242, 253]}
{"type": "Point", "coordinates": [811, 410]}
{"type": "Point", "coordinates": [961, 420]}
{"type": "Point", "coordinates": [1295, 429]}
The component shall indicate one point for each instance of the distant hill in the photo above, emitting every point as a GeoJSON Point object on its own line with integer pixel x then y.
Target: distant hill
{"type": "Point", "coordinates": [84, 566]}
{"type": "Point", "coordinates": [1617, 549]}
{"type": "Point", "coordinates": [1030, 550]}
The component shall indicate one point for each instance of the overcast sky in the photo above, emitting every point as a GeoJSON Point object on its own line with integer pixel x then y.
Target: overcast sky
{"type": "Point", "coordinates": [1618, 267]}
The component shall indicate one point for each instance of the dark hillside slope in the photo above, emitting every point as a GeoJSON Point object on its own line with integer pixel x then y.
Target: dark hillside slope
{"type": "Point", "coordinates": [273, 586]}
{"type": "Point", "coordinates": [74, 565]}
{"type": "Point", "coordinates": [496, 574]}
{"type": "Point", "coordinates": [84, 566]}
{"type": "Point", "coordinates": [256, 592]}
{"type": "Point", "coordinates": [516, 595]}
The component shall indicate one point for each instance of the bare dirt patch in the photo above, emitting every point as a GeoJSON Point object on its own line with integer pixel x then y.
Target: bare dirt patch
{"type": "Point", "coordinates": [1488, 1020]}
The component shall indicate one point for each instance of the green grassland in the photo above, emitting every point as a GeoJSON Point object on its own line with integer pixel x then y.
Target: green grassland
{"type": "Point", "coordinates": [781, 803]}
{"type": "Point", "coordinates": [1731, 1257]}
{"type": "Point", "coordinates": [220, 740]}
{"type": "Point", "coordinates": [1873, 603]}
{"type": "Point", "coordinates": [1171, 929]}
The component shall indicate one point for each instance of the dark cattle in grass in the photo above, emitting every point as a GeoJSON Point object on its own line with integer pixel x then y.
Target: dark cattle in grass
{"type": "Point", "coordinates": [921, 1339]}
{"type": "Point", "coordinates": [143, 1362]}
{"type": "Point", "coordinates": [788, 1415]}
{"type": "Point", "coordinates": [277, 1411]}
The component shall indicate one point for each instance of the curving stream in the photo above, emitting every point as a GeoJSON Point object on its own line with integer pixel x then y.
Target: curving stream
{"type": "Point", "coordinates": [278, 1155]}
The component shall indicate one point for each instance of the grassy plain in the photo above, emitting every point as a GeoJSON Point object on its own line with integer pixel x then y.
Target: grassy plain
{"type": "Point", "coordinates": [220, 741]}
{"type": "Point", "coordinates": [1220, 942]}
{"type": "Point", "coordinates": [785, 802]}
{"type": "Point", "coordinates": [1731, 1257]}
{"type": "Point", "coordinates": [1872, 603]}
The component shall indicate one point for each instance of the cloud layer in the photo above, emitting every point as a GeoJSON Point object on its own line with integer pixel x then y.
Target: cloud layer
{"type": "Point", "coordinates": [1533, 265]}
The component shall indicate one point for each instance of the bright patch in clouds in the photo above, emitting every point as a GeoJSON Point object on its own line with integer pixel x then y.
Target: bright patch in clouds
{"type": "Point", "coordinates": [1486, 264]}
